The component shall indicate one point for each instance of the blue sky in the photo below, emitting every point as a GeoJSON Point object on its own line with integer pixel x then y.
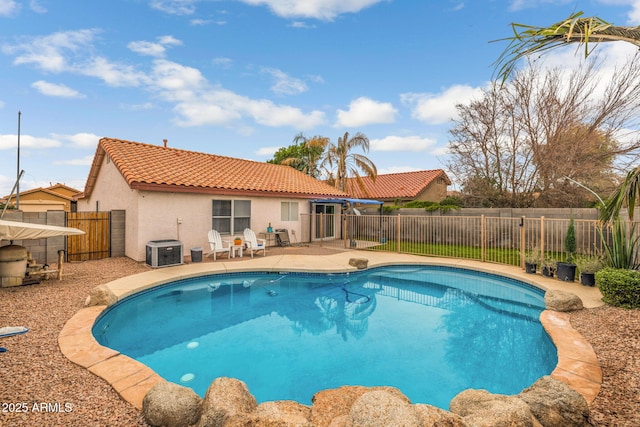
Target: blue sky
{"type": "Point", "coordinates": [241, 78]}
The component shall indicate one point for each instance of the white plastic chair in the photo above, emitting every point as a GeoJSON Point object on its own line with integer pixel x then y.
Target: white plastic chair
{"type": "Point", "coordinates": [253, 243]}
{"type": "Point", "coordinates": [216, 245]}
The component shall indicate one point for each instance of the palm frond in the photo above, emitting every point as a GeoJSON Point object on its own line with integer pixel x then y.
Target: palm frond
{"type": "Point", "coordinates": [527, 39]}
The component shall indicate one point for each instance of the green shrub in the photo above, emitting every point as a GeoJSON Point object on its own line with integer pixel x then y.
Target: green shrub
{"type": "Point", "coordinates": [619, 287]}
{"type": "Point", "coordinates": [570, 241]}
{"type": "Point", "coordinates": [419, 204]}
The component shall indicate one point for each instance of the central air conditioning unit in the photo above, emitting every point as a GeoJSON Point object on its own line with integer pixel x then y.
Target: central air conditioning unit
{"type": "Point", "coordinates": [163, 253]}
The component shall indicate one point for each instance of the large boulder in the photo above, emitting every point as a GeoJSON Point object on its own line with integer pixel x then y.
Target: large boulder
{"type": "Point", "coordinates": [562, 301]}
{"type": "Point", "coordinates": [282, 413]}
{"type": "Point", "coordinates": [434, 416]}
{"type": "Point", "coordinates": [381, 408]}
{"type": "Point", "coordinates": [479, 408]}
{"type": "Point", "coordinates": [359, 263]}
{"type": "Point", "coordinates": [101, 295]}
{"type": "Point", "coordinates": [555, 404]}
{"type": "Point", "coordinates": [227, 402]}
{"type": "Point", "coordinates": [336, 403]}
{"type": "Point", "coordinates": [171, 405]}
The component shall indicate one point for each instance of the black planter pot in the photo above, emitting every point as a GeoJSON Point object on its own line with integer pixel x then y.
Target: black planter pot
{"type": "Point", "coordinates": [530, 268]}
{"type": "Point", "coordinates": [547, 271]}
{"type": "Point", "coordinates": [566, 271]}
{"type": "Point", "coordinates": [588, 279]}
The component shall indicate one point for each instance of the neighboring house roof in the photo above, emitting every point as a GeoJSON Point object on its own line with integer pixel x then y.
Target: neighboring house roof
{"type": "Point", "coordinates": [161, 168]}
{"type": "Point", "coordinates": [48, 191]}
{"type": "Point", "coordinates": [404, 185]}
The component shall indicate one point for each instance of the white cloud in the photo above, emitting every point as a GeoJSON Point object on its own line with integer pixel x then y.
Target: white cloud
{"type": "Point", "coordinates": [8, 142]}
{"type": "Point", "coordinates": [174, 7]}
{"type": "Point", "coordinates": [266, 151]}
{"type": "Point", "coordinates": [80, 140]}
{"type": "Point", "coordinates": [401, 143]}
{"type": "Point", "coordinates": [37, 7]}
{"type": "Point", "coordinates": [84, 161]}
{"type": "Point", "coordinates": [113, 74]}
{"type": "Point", "coordinates": [9, 7]}
{"type": "Point", "coordinates": [316, 9]}
{"type": "Point", "coordinates": [223, 62]}
{"type": "Point", "coordinates": [365, 111]}
{"type": "Point", "coordinates": [154, 49]}
{"type": "Point", "coordinates": [49, 52]}
{"type": "Point", "coordinates": [197, 103]}
{"type": "Point", "coordinates": [57, 90]}
{"type": "Point", "coordinates": [284, 83]}
{"type": "Point", "coordinates": [439, 108]}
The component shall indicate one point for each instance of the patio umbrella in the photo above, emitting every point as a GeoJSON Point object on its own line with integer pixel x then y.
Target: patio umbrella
{"type": "Point", "coordinates": [13, 230]}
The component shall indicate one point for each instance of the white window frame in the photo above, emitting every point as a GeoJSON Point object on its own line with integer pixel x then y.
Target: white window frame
{"type": "Point", "coordinates": [289, 211]}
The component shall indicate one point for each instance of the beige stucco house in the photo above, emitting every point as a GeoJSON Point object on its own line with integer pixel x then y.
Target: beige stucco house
{"type": "Point", "coordinates": [169, 194]}
{"type": "Point", "coordinates": [428, 185]}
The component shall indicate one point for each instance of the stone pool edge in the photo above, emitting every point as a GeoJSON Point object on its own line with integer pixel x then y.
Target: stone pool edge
{"type": "Point", "coordinates": [577, 365]}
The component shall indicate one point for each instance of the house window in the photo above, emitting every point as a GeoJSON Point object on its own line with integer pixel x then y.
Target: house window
{"type": "Point", "coordinates": [289, 211]}
{"type": "Point", "coordinates": [231, 216]}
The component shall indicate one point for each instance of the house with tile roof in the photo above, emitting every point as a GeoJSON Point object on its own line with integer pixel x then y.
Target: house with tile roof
{"type": "Point", "coordinates": [173, 194]}
{"type": "Point", "coordinates": [404, 187]}
{"type": "Point", "coordinates": [58, 197]}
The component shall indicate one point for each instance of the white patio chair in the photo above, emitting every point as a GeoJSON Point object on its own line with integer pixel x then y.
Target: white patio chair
{"type": "Point", "coordinates": [253, 243]}
{"type": "Point", "coordinates": [216, 245]}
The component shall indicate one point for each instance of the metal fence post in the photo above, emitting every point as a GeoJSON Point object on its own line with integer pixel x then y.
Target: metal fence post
{"type": "Point", "coordinates": [483, 238]}
{"type": "Point", "coordinates": [523, 243]}
{"type": "Point", "coordinates": [398, 238]}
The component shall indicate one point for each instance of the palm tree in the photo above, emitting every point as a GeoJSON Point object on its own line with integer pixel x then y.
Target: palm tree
{"type": "Point", "coordinates": [309, 154]}
{"type": "Point", "coordinates": [575, 29]}
{"type": "Point", "coordinates": [343, 164]}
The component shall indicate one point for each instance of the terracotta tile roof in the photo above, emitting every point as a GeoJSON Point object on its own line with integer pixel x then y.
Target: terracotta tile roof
{"type": "Point", "coordinates": [404, 185]}
{"type": "Point", "coordinates": [159, 168]}
{"type": "Point", "coordinates": [42, 190]}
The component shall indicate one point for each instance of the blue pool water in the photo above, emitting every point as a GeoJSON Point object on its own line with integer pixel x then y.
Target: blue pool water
{"type": "Point", "coordinates": [429, 331]}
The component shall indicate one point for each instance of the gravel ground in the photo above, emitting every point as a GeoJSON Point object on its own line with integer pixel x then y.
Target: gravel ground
{"type": "Point", "coordinates": [39, 386]}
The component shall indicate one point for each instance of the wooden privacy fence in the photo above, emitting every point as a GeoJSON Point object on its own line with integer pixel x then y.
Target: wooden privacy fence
{"type": "Point", "coordinates": [95, 243]}
{"type": "Point", "coordinates": [488, 239]}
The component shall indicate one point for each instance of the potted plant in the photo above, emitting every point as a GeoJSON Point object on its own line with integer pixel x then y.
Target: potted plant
{"type": "Point", "coordinates": [237, 241]}
{"type": "Point", "coordinates": [548, 266]}
{"type": "Point", "coordinates": [532, 260]}
{"type": "Point", "coordinates": [566, 271]}
{"type": "Point", "coordinates": [588, 267]}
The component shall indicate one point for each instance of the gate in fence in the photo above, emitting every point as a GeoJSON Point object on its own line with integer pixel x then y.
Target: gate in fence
{"type": "Point", "coordinates": [96, 242]}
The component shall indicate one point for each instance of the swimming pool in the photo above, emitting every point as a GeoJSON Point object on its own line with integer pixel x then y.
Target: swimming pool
{"type": "Point", "coordinates": [429, 331]}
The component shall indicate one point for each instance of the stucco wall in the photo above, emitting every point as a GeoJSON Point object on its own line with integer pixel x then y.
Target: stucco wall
{"type": "Point", "coordinates": [187, 217]}
{"type": "Point", "coordinates": [111, 192]}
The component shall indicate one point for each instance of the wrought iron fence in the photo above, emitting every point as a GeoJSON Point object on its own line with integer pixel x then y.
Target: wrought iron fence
{"type": "Point", "coordinates": [482, 238]}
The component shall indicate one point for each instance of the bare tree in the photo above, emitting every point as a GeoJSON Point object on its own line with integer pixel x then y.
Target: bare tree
{"type": "Point", "coordinates": [517, 145]}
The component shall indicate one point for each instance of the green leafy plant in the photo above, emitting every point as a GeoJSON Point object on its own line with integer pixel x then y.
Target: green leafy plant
{"type": "Point", "coordinates": [570, 241]}
{"type": "Point", "coordinates": [533, 256]}
{"type": "Point", "coordinates": [589, 264]}
{"type": "Point", "coordinates": [619, 287]}
{"type": "Point", "coordinates": [622, 248]}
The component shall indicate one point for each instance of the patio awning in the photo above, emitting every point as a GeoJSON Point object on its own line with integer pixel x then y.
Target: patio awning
{"type": "Point", "coordinates": [343, 201]}
{"type": "Point", "coordinates": [13, 230]}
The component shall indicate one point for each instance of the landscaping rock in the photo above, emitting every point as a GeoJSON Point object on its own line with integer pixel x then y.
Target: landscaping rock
{"type": "Point", "coordinates": [381, 408]}
{"type": "Point", "coordinates": [359, 263]}
{"type": "Point", "coordinates": [562, 301]}
{"type": "Point", "coordinates": [101, 295]}
{"type": "Point", "coordinates": [479, 408]}
{"type": "Point", "coordinates": [282, 413]}
{"type": "Point", "coordinates": [434, 416]}
{"type": "Point", "coordinates": [332, 404]}
{"type": "Point", "coordinates": [555, 404]}
{"type": "Point", "coordinates": [226, 402]}
{"type": "Point", "coordinates": [171, 405]}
